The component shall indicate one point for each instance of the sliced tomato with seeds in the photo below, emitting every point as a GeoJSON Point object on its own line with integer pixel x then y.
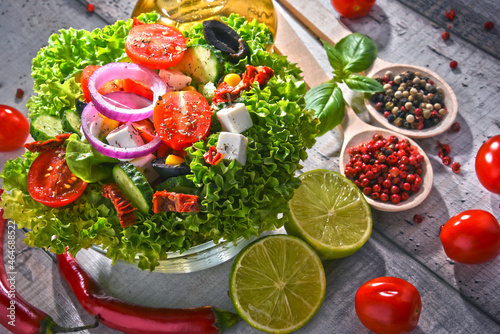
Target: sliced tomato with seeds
{"type": "Point", "coordinates": [182, 118]}
{"type": "Point", "coordinates": [51, 182]}
{"type": "Point", "coordinates": [154, 45]}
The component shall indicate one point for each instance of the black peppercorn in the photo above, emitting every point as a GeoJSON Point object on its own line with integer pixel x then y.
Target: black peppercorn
{"type": "Point", "coordinates": [391, 118]}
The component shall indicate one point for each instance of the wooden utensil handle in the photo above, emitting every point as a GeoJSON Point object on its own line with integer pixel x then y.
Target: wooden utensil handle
{"type": "Point", "coordinates": [325, 26]}
{"type": "Point", "coordinates": [288, 43]}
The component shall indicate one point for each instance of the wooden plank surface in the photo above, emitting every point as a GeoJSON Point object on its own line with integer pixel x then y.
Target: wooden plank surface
{"type": "Point", "coordinates": [456, 298]}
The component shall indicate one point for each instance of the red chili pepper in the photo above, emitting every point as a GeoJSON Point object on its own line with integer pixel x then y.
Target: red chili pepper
{"type": "Point", "coordinates": [213, 156]}
{"type": "Point", "coordinates": [131, 318]}
{"type": "Point", "coordinates": [16, 314]}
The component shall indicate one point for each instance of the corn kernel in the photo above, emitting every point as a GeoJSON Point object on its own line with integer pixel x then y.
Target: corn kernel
{"type": "Point", "coordinates": [232, 79]}
{"type": "Point", "coordinates": [173, 159]}
{"type": "Point", "coordinates": [189, 88]}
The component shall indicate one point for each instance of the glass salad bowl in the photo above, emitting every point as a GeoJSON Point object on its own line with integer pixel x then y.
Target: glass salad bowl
{"type": "Point", "coordinates": [196, 258]}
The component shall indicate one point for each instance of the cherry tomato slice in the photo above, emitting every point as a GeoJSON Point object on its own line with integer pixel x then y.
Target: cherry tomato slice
{"type": "Point", "coordinates": [472, 236]}
{"type": "Point", "coordinates": [388, 305]}
{"type": "Point", "coordinates": [84, 80]}
{"type": "Point", "coordinates": [156, 46]}
{"type": "Point", "coordinates": [353, 8]}
{"type": "Point", "coordinates": [488, 164]}
{"type": "Point", "coordinates": [118, 85]}
{"type": "Point", "coordinates": [146, 129]}
{"type": "Point", "coordinates": [182, 118]}
{"type": "Point", "coordinates": [14, 128]}
{"type": "Point", "coordinates": [51, 182]}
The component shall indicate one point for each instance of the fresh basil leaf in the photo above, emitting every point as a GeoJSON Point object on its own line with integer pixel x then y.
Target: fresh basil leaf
{"type": "Point", "coordinates": [358, 52]}
{"type": "Point", "coordinates": [334, 56]}
{"type": "Point", "coordinates": [86, 163]}
{"type": "Point", "coordinates": [363, 84]}
{"type": "Point", "coordinates": [328, 104]}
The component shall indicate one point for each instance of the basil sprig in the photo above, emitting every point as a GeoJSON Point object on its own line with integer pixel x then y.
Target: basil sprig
{"type": "Point", "coordinates": [353, 54]}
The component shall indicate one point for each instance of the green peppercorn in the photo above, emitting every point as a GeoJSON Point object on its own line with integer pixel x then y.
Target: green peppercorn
{"type": "Point", "coordinates": [398, 122]}
{"type": "Point", "coordinates": [426, 113]}
{"type": "Point", "coordinates": [389, 105]}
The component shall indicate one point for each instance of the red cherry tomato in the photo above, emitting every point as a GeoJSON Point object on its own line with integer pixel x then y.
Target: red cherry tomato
{"type": "Point", "coordinates": [50, 181]}
{"type": "Point", "coordinates": [353, 8]}
{"type": "Point", "coordinates": [156, 46]}
{"type": "Point", "coordinates": [488, 164]}
{"type": "Point", "coordinates": [14, 128]}
{"type": "Point", "coordinates": [388, 305]}
{"type": "Point", "coordinates": [182, 118]}
{"type": "Point", "coordinates": [472, 236]}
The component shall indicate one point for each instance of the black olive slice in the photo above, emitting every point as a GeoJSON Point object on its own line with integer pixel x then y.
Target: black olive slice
{"type": "Point", "coordinates": [166, 170]}
{"type": "Point", "coordinates": [225, 39]}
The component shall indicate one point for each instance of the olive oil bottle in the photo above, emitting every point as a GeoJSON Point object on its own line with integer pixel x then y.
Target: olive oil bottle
{"type": "Point", "coordinates": [183, 14]}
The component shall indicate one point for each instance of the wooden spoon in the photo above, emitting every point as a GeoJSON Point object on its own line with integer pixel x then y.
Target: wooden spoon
{"type": "Point", "coordinates": [328, 28]}
{"type": "Point", "coordinates": [355, 130]}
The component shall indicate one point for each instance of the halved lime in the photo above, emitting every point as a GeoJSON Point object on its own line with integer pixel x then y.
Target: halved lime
{"type": "Point", "coordinates": [330, 213]}
{"type": "Point", "coordinates": [277, 283]}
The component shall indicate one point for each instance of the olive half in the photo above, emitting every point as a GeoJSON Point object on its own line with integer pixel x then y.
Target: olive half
{"type": "Point", "coordinates": [225, 39]}
{"type": "Point", "coordinates": [167, 170]}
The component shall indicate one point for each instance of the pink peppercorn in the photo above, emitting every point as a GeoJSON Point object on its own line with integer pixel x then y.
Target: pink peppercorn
{"type": "Point", "coordinates": [453, 64]}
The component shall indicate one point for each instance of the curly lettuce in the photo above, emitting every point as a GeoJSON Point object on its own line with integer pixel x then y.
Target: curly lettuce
{"type": "Point", "coordinates": [235, 200]}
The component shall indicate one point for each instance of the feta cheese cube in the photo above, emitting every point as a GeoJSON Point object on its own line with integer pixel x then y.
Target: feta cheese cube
{"type": "Point", "coordinates": [125, 136]}
{"type": "Point", "coordinates": [233, 146]}
{"type": "Point", "coordinates": [235, 118]}
{"type": "Point", "coordinates": [143, 164]}
{"type": "Point", "coordinates": [175, 80]}
{"type": "Point", "coordinates": [101, 126]}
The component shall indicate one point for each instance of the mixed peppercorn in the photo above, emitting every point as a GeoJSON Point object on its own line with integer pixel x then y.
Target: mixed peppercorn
{"type": "Point", "coordinates": [410, 100]}
{"type": "Point", "coordinates": [386, 169]}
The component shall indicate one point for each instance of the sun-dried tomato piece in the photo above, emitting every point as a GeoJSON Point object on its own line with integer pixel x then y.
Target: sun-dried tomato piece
{"type": "Point", "coordinates": [213, 156]}
{"type": "Point", "coordinates": [226, 93]}
{"type": "Point", "coordinates": [165, 201]}
{"type": "Point", "coordinates": [42, 146]}
{"type": "Point", "coordinates": [124, 208]}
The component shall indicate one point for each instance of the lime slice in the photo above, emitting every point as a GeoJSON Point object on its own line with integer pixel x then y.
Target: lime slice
{"type": "Point", "coordinates": [330, 213]}
{"type": "Point", "coordinates": [277, 283]}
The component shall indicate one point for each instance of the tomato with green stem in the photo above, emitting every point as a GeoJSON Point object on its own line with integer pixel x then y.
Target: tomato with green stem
{"type": "Point", "coordinates": [353, 8]}
{"type": "Point", "coordinates": [488, 164]}
{"type": "Point", "coordinates": [14, 128]}
{"type": "Point", "coordinates": [471, 237]}
{"type": "Point", "coordinates": [51, 182]}
{"type": "Point", "coordinates": [388, 305]}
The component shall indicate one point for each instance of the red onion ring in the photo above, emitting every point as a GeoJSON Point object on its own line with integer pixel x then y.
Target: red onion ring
{"type": "Point", "coordinates": [113, 71]}
{"type": "Point", "coordinates": [89, 114]}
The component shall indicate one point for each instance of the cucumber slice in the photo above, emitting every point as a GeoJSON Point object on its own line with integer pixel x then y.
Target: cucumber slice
{"type": "Point", "coordinates": [134, 185]}
{"type": "Point", "coordinates": [44, 127]}
{"type": "Point", "coordinates": [71, 122]}
{"type": "Point", "coordinates": [179, 184]}
{"type": "Point", "coordinates": [200, 63]}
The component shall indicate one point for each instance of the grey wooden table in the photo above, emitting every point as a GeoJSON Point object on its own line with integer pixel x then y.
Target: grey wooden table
{"type": "Point", "coordinates": [456, 298]}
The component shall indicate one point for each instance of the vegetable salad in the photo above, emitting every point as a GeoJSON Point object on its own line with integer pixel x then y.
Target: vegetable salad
{"type": "Point", "coordinates": [234, 198]}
